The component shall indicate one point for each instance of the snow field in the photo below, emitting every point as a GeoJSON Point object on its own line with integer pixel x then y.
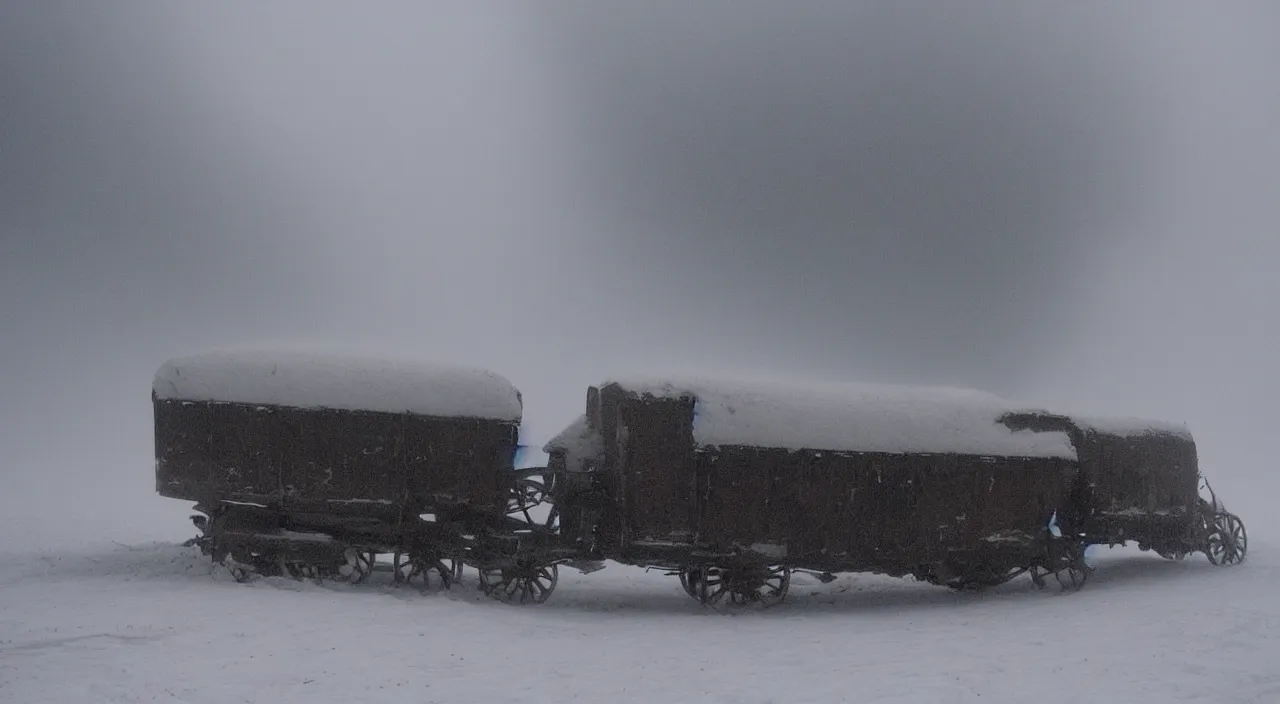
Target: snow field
{"type": "Point", "coordinates": [154, 622]}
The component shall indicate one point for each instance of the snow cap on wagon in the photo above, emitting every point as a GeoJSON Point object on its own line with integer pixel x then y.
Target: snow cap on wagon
{"type": "Point", "coordinates": [851, 417]}
{"type": "Point", "coordinates": [338, 380]}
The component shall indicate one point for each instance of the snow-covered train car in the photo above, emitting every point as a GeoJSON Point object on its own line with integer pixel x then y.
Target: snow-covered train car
{"type": "Point", "coordinates": [1140, 482]}
{"type": "Point", "coordinates": [301, 450]}
{"type": "Point", "coordinates": [732, 485]}
{"type": "Point", "coordinates": [312, 464]}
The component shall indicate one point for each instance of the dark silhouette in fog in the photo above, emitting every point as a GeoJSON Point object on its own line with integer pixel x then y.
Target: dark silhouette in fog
{"type": "Point", "coordinates": [1068, 203]}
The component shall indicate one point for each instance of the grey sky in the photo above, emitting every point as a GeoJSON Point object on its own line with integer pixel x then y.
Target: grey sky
{"type": "Point", "coordinates": [1068, 202]}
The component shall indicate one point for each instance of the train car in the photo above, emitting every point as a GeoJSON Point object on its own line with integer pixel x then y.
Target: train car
{"type": "Point", "coordinates": [732, 486]}
{"type": "Point", "coordinates": [315, 465]}
{"type": "Point", "coordinates": [1141, 483]}
{"type": "Point", "coordinates": [311, 464]}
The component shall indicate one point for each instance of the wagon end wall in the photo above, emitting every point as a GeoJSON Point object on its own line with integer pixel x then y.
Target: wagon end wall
{"type": "Point", "coordinates": [647, 446]}
{"type": "Point", "coordinates": [1142, 486]}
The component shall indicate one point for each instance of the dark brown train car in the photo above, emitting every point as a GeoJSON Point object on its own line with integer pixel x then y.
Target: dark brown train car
{"type": "Point", "coordinates": [332, 434]}
{"type": "Point", "coordinates": [893, 480]}
{"type": "Point", "coordinates": [1140, 480]}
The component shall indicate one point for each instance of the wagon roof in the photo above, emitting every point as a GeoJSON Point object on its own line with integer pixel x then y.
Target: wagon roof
{"type": "Point", "coordinates": [570, 437]}
{"type": "Point", "coordinates": [1131, 427]}
{"type": "Point", "coordinates": [855, 417]}
{"type": "Point", "coordinates": [301, 379]}
{"type": "Point", "coordinates": [1119, 426]}
{"type": "Point", "coordinates": [576, 439]}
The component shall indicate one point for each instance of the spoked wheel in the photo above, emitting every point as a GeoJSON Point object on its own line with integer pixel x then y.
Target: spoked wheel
{"type": "Point", "coordinates": [1073, 571]}
{"type": "Point", "coordinates": [1227, 543]}
{"type": "Point", "coordinates": [737, 587]}
{"type": "Point", "coordinates": [984, 579]}
{"type": "Point", "coordinates": [239, 571]}
{"type": "Point", "coordinates": [301, 571]}
{"type": "Point", "coordinates": [689, 580]}
{"type": "Point", "coordinates": [244, 564]}
{"type": "Point", "coordinates": [358, 567]}
{"type": "Point", "coordinates": [529, 494]}
{"type": "Point", "coordinates": [1073, 576]}
{"type": "Point", "coordinates": [524, 583]}
{"type": "Point", "coordinates": [1037, 574]}
{"type": "Point", "coordinates": [417, 568]}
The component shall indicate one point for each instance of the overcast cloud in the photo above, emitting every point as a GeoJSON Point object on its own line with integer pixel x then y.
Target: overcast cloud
{"type": "Point", "coordinates": [1067, 202]}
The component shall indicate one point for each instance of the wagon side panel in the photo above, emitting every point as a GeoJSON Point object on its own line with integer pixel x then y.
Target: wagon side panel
{"type": "Point", "coordinates": [823, 509]}
{"type": "Point", "coordinates": [209, 451]}
{"type": "Point", "coordinates": [1010, 501]}
{"type": "Point", "coordinates": [459, 461]}
{"type": "Point", "coordinates": [741, 507]}
{"type": "Point", "coordinates": [342, 456]}
{"type": "Point", "coordinates": [892, 494]}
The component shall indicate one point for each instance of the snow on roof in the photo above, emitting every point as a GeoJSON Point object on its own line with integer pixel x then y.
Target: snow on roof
{"type": "Point", "coordinates": [577, 441]}
{"type": "Point", "coordinates": [570, 436]}
{"type": "Point", "coordinates": [853, 417]}
{"type": "Point", "coordinates": [1131, 427]}
{"type": "Point", "coordinates": [339, 381]}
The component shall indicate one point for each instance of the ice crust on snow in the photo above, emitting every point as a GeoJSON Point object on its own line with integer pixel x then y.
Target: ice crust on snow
{"type": "Point", "coordinates": [853, 417]}
{"type": "Point", "coordinates": [338, 381]}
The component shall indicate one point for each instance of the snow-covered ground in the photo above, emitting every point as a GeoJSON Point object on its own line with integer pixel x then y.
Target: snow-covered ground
{"type": "Point", "coordinates": [100, 621]}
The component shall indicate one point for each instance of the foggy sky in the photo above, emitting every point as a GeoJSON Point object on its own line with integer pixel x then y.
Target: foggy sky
{"type": "Point", "coordinates": [1064, 202]}
{"type": "Point", "coordinates": [888, 184]}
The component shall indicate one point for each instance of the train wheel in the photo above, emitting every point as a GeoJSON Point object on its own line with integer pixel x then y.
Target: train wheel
{"type": "Point", "coordinates": [1037, 576]}
{"type": "Point", "coordinates": [690, 579]}
{"type": "Point", "coordinates": [1228, 543]}
{"type": "Point", "coordinates": [410, 568]}
{"type": "Point", "coordinates": [524, 583]}
{"type": "Point", "coordinates": [1073, 571]}
{"type": "Point", "coordinates": [1073, 576]}
{"type": "Point", "coordinates": [300, 570]}
{"type": "Point", "coordinates": [530, 494]}
{"type": "Point", "coordinates": [740, 587]}
{"type": "Point", "coordinates": [245, 563]}
{"type": "Point", "coordinates": [358, 567]}
{"type": "Point", "coordinates": [984, 579]}
{"type": "Point", "coordinates": [239, 571]}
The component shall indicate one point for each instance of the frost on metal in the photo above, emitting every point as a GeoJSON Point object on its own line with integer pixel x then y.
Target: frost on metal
{"type": "Point", "coordinates": [312, 380]}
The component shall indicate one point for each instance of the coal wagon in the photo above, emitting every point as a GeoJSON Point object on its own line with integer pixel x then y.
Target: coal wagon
{"type": "Point", "coordinates": [314, 465]}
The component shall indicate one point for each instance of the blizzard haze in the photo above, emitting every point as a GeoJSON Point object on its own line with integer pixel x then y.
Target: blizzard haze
{"type": "Point", "coordinates": [1067, 204]}
{"type": "Point", "coordinates": [1064, 204]}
